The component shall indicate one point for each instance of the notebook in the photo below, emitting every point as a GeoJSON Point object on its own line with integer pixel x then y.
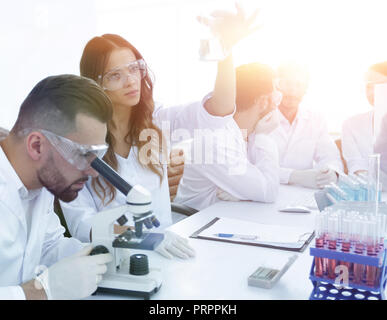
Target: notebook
{"type": "Point", "coordinates": [256, 234]}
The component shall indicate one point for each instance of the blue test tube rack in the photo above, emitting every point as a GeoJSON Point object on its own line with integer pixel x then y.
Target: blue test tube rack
{"type": "Point", "coordinates": [325, 288]}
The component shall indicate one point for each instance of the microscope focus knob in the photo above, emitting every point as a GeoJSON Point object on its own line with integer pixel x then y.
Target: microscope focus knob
{"type": "Point", "coordinates": [99, 250]}
{"type": "Point", "coordinates": [139, 264]}
{"type": "Point", "coordinates": [122, 220]}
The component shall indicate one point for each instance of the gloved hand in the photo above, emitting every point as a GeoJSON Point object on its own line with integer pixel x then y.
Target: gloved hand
{"type": "Point", "coordinates": [174, 245]}
{"type": "Point", "coordinates": [230, 27]}
{"type": "Point", "coordinates": [325, 176]}
{"type": "Point", "coordinates": [268, 123]}
{"type": "Point", "coordinates": [305, 178]}
{"type": "Point", "coordinates": [313, 178]}
{"type": "Point", "coordinates": [74, 277]}
{"type": "Point", "coordinates": [223, 195]}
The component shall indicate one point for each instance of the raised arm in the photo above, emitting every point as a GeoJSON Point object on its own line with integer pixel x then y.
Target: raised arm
{"type": "Point", "coordinates": [229, 28]}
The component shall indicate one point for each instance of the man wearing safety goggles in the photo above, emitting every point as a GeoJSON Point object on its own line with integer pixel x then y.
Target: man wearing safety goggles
{"type": "Point", "coordinates": [60, 129]}
{"type": "Point", "coordinates": [77, 155]}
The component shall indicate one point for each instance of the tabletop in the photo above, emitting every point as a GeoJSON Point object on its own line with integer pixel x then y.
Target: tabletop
{"type": "Point", "coordinates": [220, 270]}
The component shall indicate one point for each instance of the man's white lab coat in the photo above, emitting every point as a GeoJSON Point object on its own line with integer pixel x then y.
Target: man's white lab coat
{"type": "Point", "coordinates": [304, 144]}
{"type": "Point", "coordinates": [31, 237]}
{"type": "Point", "coordinates": [244, 170]}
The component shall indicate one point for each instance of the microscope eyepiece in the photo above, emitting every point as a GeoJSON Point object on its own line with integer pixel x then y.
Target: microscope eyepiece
{"type": "Point", "coordinates": [111, 175]}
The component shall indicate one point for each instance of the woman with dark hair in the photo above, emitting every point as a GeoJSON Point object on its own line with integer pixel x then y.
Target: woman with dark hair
{"type": "Point", "coordinates": [135, 140]}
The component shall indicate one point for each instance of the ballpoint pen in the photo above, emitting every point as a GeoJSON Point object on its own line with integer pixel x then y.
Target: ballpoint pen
{"type": "Point", "coordinates": [236, 236]}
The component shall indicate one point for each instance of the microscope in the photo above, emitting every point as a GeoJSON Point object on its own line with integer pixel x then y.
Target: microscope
{"type": "Point", "coordinates": [126, 277]}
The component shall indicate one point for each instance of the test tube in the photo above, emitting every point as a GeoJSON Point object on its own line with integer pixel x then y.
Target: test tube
{"type": "Point", "coordinates": [327, 211]}
{"type": "Point", "coordinates": [373, 179]}
{"type": "Point", "coordinates": [359, 237]}
{"type": "Point", "coordinates": [346, 242]}
{"type": "Point", "coordinates": [332, 243]}
{"type": "Point", "coordinates": [340, 216]}
{"type": "Point", "coordinates": [349, 186]}
{"type": "Point", "coordinates": [379, 232]}
{"type": "Point", "coordinates": [371, 271]}
{"type": "Point", "coordinates": [363, 187]}
{"type": "Point", "coordinates": [319, 228]}
{"type": "Point", "coordinates": [383, 229]}
{"type": "Point", "coordinates": [338, 193]}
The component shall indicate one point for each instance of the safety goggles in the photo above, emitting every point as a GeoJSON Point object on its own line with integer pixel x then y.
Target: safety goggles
{"type": "Point", "coordinates": [79, 155]}
{"type": "Point", "coordinates": [116, 78]}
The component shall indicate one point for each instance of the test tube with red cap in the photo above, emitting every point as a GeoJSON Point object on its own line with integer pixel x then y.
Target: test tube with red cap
{"type": "Point", "coordinates": [332, 242]}
{"type": "Point", "coordinates": [382, 229]}
{"type": "Point", "coordinates": [320, 234]}
{"type": "Point", "coordinates": [371, 244]}
{"type": "Point", "coordinates": [347, 235]}
{"type": "Point", "coordinates": [359, 243]}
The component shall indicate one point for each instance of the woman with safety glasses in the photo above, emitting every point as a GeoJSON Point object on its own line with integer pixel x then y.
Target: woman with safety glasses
{"type": "Point", "coordinates": [136, 143]}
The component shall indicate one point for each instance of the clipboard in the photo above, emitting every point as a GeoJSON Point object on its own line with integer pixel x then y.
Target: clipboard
{"type": "Point", "coordinates": [305, 239]}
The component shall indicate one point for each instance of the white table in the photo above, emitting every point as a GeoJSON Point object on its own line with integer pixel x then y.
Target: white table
{"type": "Point", "coordinates": [220, 270]}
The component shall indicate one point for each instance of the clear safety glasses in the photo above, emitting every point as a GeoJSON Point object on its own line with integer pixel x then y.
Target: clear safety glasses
{"type": "Point", "coordinates": [79, 155]}
{"type": "Point", "coordinates": [116, 79]}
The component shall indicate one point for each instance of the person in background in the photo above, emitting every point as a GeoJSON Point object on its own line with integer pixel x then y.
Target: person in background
{"type": "Point", "coordinates": [308, 156]}
{"type": "Point", "coordinates": [122, 72]}
{"type": "Point", "coordinates": [245, 160]}
{"type": "Point", "coordinates": [358, 130]}
{"type": "Point", "coordinates": [60, 129]}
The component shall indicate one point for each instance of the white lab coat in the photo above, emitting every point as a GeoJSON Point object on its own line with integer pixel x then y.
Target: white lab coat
{"type": "Point", "coordinates": [191, 116]}
{"type": "Point", "coordinates": [26, 244]}
{"type": "Point", "coordinates": [304, 144]}
{"type": "Point", "coordinates": [356, 141]}
{"type": "Point", "coordinates": [246, 171]}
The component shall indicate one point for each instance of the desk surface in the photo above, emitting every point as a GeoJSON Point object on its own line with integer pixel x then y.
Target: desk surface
{"type": "Point", "coordinates": [220, 270]}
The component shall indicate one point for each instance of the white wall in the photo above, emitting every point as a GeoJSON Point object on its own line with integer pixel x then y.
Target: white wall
{"type": "Point", "coordinates": [39, 38]}
{"type": "Point", "coordinates": [338, 39]}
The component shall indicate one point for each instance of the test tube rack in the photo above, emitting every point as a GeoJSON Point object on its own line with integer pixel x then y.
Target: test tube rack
{"type": "Point", "coordinates": [325, 288]}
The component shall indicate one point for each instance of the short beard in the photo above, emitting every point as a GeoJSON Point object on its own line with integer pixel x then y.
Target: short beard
{"type": "Point", "coordinates": [50, 178]}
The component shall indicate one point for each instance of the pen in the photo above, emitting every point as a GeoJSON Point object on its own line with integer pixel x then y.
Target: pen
{"type": "Point", "coordinates": [237, 236]}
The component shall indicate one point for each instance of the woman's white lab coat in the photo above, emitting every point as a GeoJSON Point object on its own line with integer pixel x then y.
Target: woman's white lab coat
{"type": "Point", "coordinates": [31, 236]}
{"type": "Point", "coordinates": [187, 117]}
{"type": "Point", "coordinates": [304, 144]}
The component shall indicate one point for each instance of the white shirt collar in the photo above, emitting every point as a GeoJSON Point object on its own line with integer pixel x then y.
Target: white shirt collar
{"type": "Point", "coordinates": [11, 176]}
{"type": "Point", "coordinates": [302, 113]}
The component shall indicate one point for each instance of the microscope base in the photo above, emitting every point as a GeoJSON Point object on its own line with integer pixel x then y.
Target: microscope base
{"type": "Point", "coordinates": [144, 295]}
{"type": "Point", "coordinates": [130, 285]}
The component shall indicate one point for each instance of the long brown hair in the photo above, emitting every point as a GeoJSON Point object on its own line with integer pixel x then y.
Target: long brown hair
{"type": "Point", "coordinates": [93, 62]}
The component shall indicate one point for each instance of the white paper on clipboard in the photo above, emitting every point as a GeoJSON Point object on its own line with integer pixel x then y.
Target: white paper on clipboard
{"type": "Point", "coordinates": [270, 235]}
